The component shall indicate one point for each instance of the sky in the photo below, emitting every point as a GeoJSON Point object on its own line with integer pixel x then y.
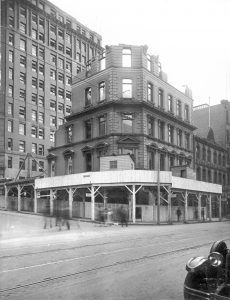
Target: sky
{"type": "Point", "coordinates": [191, 37]}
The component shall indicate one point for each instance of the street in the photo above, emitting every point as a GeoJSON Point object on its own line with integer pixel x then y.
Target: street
{"type": "Point", "coordinates": [93, 261]}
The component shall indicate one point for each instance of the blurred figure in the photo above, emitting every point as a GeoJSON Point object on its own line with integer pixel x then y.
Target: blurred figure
{"type": "Point", "coordinates": [65, 215]}
{"type": "Point", "coordinates": [178, 212]}
{"type": "Point", "coordinates": [47, 217]}
{"type": "Point", "coordinates": [123, 216]}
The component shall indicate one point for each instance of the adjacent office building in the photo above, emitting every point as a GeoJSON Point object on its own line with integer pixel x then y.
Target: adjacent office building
{"type": "Point", "coordinates": [42, 48]}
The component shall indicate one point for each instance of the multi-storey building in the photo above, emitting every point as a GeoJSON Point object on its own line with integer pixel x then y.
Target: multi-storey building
{"type": "Point", "coordinates": [42, 48]}
{"type": "Point", "coordinates": [123, 104]}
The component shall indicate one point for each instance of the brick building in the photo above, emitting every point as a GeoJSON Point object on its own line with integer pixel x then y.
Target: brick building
{"type": "Point", "coordinates": [42, 48]}
{"type": "Point", "coordinates": [123, 104]}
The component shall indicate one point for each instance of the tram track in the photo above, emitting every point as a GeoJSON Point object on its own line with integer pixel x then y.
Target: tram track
{"type": "Point", "coordinates": [104, 267]}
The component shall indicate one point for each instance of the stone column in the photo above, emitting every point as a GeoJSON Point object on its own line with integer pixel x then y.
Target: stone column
{"type": "Point", "coordinates": [134, 203]}
{"type": "Point", "coordinates": [199, 207]}
{"type": "Point", "coordinates": [19, 198]}
{"type": "Point", "coordinates": [6, 197]}
{"type": "Point", "coordinates": [186, 207]}
{"type": "Point", "coordinates": [70, 203]}
{"type": "Point", "coordinates": [92, 203]}
{"type": "Point", "coordinates": [169, 205]}
{"type": "Point", "coordinates": [52, 196]}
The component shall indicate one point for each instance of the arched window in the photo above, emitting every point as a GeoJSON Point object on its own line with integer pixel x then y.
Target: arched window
{"type": "Point", "coordinates": [204, 153]}
{"type": "Point", "coordinates": [198, 151]}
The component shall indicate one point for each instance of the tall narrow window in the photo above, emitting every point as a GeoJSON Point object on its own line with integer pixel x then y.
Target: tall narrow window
{"type": "Point", "coordinates": [186, 112]}
{"type": "Point", "coordinates": [88, 96]}
{"type": "Point", "coordinates": [161, 98]}
{"type": "Point", "coordinates": [170, 134]}
{"type": "Point", "coordinates": [102, 125]}
{"type": "Point", "coordinates": [179, 137]}
{"type": "Point", "coordinates": [102, 61]}
{"type": "Point", "coordinates": [151, 126]}
{"type": "Point", "coordinates": [126, 58]}
{"type": "Point", "coordinates": [170, 103]}
{"type": "Point", "coordinates": [101, 91]}
{"type": "Point", "coordinates": [88, 161]}
{"type": "Point", "coordinates": [88, 129]}
{"type": "Point", "coordinates": [69, 134]}
{"type": "Point", "coordinates": [150, 92]}
{"type": "Point", "coordinates": [127, 88]}
{"type": "Point", "coordinates": [178, 108]}
{"type": "Point", "coordinates": [127, 123]}
{"type": "Point", "coordinates": [161, 129]}
{"type": "Point", "coordinates": [187, 141]}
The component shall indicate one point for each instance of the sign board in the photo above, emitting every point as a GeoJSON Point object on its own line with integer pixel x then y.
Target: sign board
{"type": "Point", "coordinates": [88, 194]}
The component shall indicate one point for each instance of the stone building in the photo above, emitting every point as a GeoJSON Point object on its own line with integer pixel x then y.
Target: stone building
{"type": "Point", "coordinates": [123, 104]}
{"type": "Point", "coordinates": [42, 48]}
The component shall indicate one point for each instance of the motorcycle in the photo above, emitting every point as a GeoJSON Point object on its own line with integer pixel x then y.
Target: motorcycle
{"type": "Point", "coordinates": [209, 277]}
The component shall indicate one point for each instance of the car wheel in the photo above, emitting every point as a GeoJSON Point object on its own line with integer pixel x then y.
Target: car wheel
{"type": "Point", "coordinates": [221, 247]}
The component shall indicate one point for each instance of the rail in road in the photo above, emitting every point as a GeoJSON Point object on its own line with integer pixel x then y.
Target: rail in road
{"type": "Point", "coordinates": [122, 251]}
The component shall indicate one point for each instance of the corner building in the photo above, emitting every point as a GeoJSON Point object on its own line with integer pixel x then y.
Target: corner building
{"type": "Point", "coordinates": [42, 48]}
{"type": "Point", "coordinates": [123, 104]}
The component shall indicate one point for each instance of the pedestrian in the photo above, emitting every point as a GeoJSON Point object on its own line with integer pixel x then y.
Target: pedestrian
{"type": "Point", "coordinates": [202, 214]}
{"type": "Point", "coordinates": [47, 217]}
{"type": "Point", "coordinates": [178, 212]}
{"type": "Point", "coordinates": [123, 217]}
{"type": "Point", "coordinates": [65, 215]}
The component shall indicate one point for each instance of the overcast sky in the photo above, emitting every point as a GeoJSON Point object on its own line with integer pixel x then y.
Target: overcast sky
{"type": "Point", "coordinates": [191, 37]}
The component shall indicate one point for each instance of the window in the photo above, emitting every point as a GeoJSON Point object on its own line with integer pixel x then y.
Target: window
{"type": "Point", "coordinates": [34, 115]}
{"type": "Point", "coordinates": [60, 63]}
{"type": "Point", "coordinates": [53, 121]}
{"type": "Point", "coordinates": [197, 151]}
{"type": "Point", "coordinates": [22, 27]}
{"type": "Point", "coordinates": [68, 23]}
{"type": "Point", "coordinates": [151, 156]}
{"type": "Point", "coordinates": [68, 37]}
{"type": "Point", "coordinates": [11, 56]}
{"type": "Point", "coordinates": [219, 159]}
{"type": "Point", "coordinates": [127, 88]}
{"type": "Point", "coordinates": [69, 133]}
{"type": "Point", "coordinates": [34, 98]}
{"type": "Point", "coordinates": [53, 89]}
{"type": "Point", "coordinates": [187, 141]}
{"type": "Point", "coordinates": [22, 146]}
{"type": "Point", "coordinates": [41, 133]}
{"type": "Point", "coordinates": [11, 21]}
{"type": "Point", "coordinates": [41, 37]}
{"type": "Point", "coordinates": [41, 22]}
{"type": "Point", "coordinates": [41, 150]}
{"type": "Point", "coordinates": [10, 162]}
{"type": "Point", "coordinates": [150, 126]}
{"type": "Point", "coordinates": [53, 43]}
{"type": "Point", "coordinates": [41, 101]}
{"type": "Point", "coordinates": [53, 29]}
{"type": "Point", "coordinates": [68, 110]}
{"type": "Point", "coordinates": [10, 91]}
{"type": "Point", "coordinates": [34, 66]}
{"type": "Point", "coordinates": [52, 136]}
{"type": "Point", "coordinates": [41, 166]}
{"type": "Point", "coordinates": [22, 61]}
{"type": "Point", "coordinates": [161, 98]}
{"type": "Point", "coordinates": [41, 53]}
{"type": "Point", "coordinates": [126, 58]}
{"type": "Point", "coordinates": [88, 94]}
{"type": "Point", "coordinates": [41, 69]}
{"type": "Point", "coordinates": [53, 58]}
{"type": "Point", "coordinates": [170, 103]}
{"type": "Point", "coordinates": [209, 155]}
{"type": "Point", "coordinates": [179, 137]}
{"type": "Point", "coordinates": [113, 164]}
{"type": "Point", "coordinates": [22, 78]}
{"type": "Point", "coordinates": [88, 161]}
{"type": "Point", "coordinates": [61, 108]}
{"type": "Point", "coordinates": [150, 92]}
{"type": "Point", "coordinates": [88, 129]}
{"type": "Point", "coordinates": [186, 112]}
{"type": "Point", "coordinates": [11, 39]}
{"type": "Point", "coordinates": [22, 95]}
{"type": "Point", "coordinates": [68, 67]}
{"type": "Point", "coordinates": [41, 117]}
{"type": "Point", "coordinates": [170, 134]}
{"type": "Point", "coordinates": [127, 123]}
{"type": "Point", "coordinates": [34, 82]}
{"type": "Point", "coordinates": [11, 74]}
{"type": "Point", "coordinates": [22, 129]}
{"type": "Point", "coordinates": [10, 109]}
{"type": "Point", "coordinates": [68, 95]}
{"type": "Point", "coordinates": [34, 34]}
{"type": "Point", "coordinates": [61, 77]}
{"type": "Point", "coordinates": [34, 18]}
{"type": "Point", "coordinates": [53, 105]}
{"type": "Point", "coordinates": [22, 112]}
{"type": "Point", "coordinates": [178, 108]}
{"type": "Point", "coordinates": [10, 144]}
{"type": "Point", "coordinates": [22, 12]}
{"type": "Point", "coordinates": [22, 45]}
{"type": "Point", "coordinates": [61, 47]}
{"type": "Point", "coordinates": [204, 153]}
{"type": "Point", "coordinates": [61, 18]}
{"type": "Point", "coordinates": [161, 129]}
{"type": "Point", "coordinates": [68, 80]}
{"type": "Point", "coordinates": [60, 121]}
{"type": "Point", "coordinates": [102, 61]}
{"type": "Point", "coordinates": [34, 165]}
{"type": "Point", "coordinates": [68, 51]}
{"type": "Point", "coordinates": [41, 85]}
{"type": "Point", "coordinates": [60, 33]}
{"type": "Point", "coordinates": [101, 91]}
{"type": "Point", "coordinates": [61, 93]}
{"type": "Point", "coordinates": [102, 125]}
{"type": "Point", "coordinates": [34, 50]}
{"type": "Point", "coordinates": [34, 132]}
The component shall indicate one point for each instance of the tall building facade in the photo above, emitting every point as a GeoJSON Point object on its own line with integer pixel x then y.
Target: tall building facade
{"type": "Point", "coordinates": [123, 104]}
{"type": "Point", "coordinates": [42, 48]}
